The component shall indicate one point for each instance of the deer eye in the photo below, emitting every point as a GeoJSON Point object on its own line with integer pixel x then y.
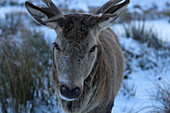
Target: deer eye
{"type": "Point", "coordinates": [56, 46]}
{"type": "Point", "coordinates": [93, 49]}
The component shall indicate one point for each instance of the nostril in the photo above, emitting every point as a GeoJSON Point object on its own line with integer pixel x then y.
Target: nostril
{"type": "Point", "coordinates": [69, 90]}
{"type": "Point", "coordinates": [70, 93]}
{"type": "Point", "coordinates": [65, 89]}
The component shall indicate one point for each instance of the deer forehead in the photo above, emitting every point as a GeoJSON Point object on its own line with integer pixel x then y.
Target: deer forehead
{"type": "Point", "coordinates": [75, 31]}
{"type": "Point", "coordinates": [74, 26]}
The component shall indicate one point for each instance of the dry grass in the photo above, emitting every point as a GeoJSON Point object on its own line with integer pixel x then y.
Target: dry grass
{"type": "Point", "coordinates": [160, 96]}
{"type": "Point", "coordinates": [154, 50]}
{"type": "Point", "coordinates": [141, 14]}
{"type": "Point", "coordinates": [158, 101]}
{"type": "Point", "coordinates": [139, 32]}
{"type": "Point", "coordinates": [25, 67]}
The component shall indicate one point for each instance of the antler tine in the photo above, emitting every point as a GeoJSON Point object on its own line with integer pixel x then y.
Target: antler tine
{"type": "Point", "coordinates": [117, 6]}
{"type": "Point", "coordinates": [55, 10]}
{"type": "Point", "coordinates": [107, 9]}
{"type": "Point", "coordinates": [52, 6]}
{"type": "Point", "coordinates": [107, 6]}
{"type": "Point", "coordinates": [102, 10]}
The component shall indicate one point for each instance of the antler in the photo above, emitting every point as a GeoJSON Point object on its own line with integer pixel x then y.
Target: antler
{"type": "Point", "coordinates": [107, 6]}
{"type": "Point", "coordinates": [52, 6]}
{"type": "Point", "coordinates": [110, 8]}
{"type": "Point", "coordinates": [56, 11]}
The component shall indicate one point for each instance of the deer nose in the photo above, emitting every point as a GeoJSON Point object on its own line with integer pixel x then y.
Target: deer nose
{"type": "Point", "coordinates": [70, 93]}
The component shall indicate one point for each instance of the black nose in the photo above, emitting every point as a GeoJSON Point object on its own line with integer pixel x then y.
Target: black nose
{"type": "Point", "coordinates": [70, 93]}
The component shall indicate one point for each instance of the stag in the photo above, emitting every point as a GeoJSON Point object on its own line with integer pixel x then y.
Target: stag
{"type": "Point", "coordinates": [88, 64]}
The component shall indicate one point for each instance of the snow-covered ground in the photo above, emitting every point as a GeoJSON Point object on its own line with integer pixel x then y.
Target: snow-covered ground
{"type": "Point", "coordinates": [141, 81]}
{"type": "Point", "coordinates": [160, 27]}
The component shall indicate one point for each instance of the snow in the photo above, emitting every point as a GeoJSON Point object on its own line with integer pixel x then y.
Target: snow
{"type": "Point", "coordinates": [50, 35]}
{"type": "Point", "coordinates": [144, 4]}
{"type": "Point", "coordinates": [160, 27]}
{"type": "Point", "coordinates": [132, 45]}
{"type": "Point", "coordinates": [143, 80]}
{"type": "Point", "coordinates": [11, 9]}
{"type": "Point", "coordinates": [142, 98]}
{"type": "Point", "coordinates": [85, 4]}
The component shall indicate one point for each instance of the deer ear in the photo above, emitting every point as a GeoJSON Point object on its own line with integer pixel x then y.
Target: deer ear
{"type": "Point", "coordinates": [41, 14]}
{"type": "Point", "coordinates": [112, 14]}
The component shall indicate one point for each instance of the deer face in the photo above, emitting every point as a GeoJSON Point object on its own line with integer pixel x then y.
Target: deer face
{"type": "Point", "coordinates": [76, 47]}
{"type": "Point", "coordinates": [74, 56]}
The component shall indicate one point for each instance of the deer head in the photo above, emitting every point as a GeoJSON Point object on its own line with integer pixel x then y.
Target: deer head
{"type": "Point", "coordinates": [77, 48]}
